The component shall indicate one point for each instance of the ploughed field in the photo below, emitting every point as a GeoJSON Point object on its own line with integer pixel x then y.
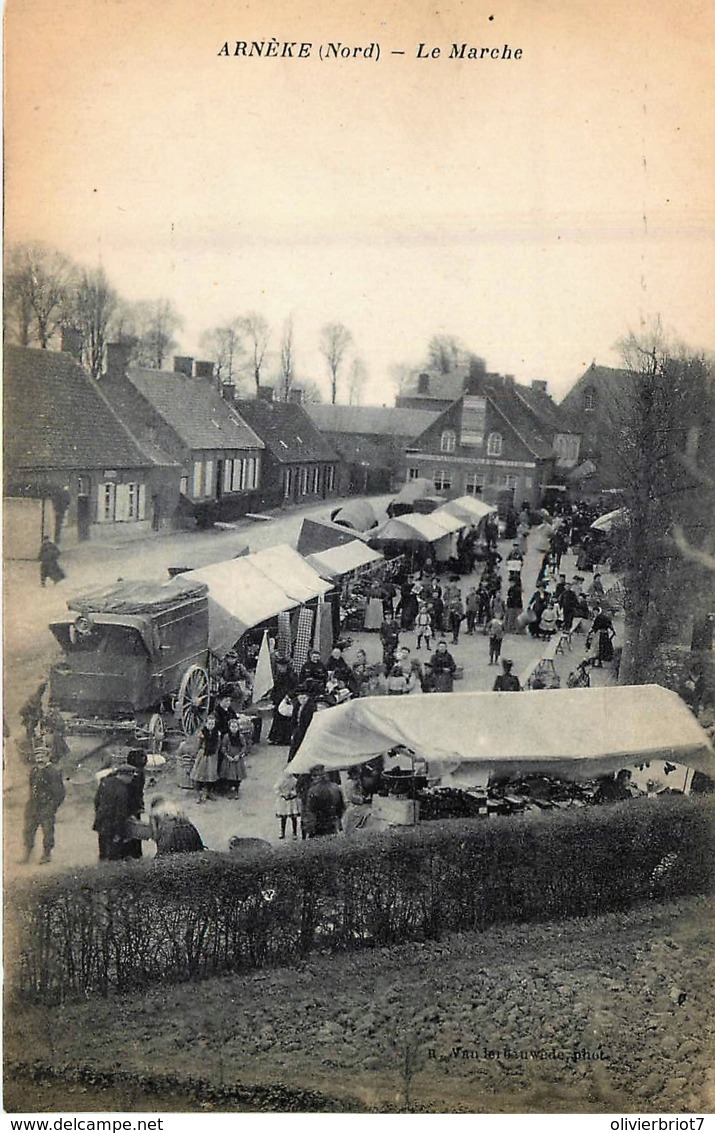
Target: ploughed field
{"type": "Point", "coordinates": [603, 1014]}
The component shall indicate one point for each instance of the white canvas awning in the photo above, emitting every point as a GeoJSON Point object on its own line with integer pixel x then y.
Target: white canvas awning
{"type": "Point", "coordinates": [338, 561]}
{"type": "Point", "coordinates": [240, 597]}
{"type": "Point", "coordinates": [468, 507]}
{"type": "Point", "coordinates": [411, 528]}
{"type": "Point", "coordinates": [572, 732]}
{"type": "Point", "coordinates": [450, 524]}
{"type": "Point", "coordinates": [283, 566]}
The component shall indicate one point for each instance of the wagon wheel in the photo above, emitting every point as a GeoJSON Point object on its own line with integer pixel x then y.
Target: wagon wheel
{"type": "Point", "coordinates": [157, 733]}
{"type": "Point", "coordinates": [192, 699]}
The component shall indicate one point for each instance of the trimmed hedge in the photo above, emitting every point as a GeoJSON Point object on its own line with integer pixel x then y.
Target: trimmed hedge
{"type": "Point", "coordinates": [125, 926]}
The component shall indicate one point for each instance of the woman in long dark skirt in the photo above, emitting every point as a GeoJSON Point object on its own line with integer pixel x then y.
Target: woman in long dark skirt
{"type": "Point", "coordinates": [284, 685]}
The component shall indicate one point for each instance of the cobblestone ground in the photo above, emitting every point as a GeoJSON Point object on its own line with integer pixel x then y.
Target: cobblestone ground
{"type": "Point", "coordinates": [251, 815]}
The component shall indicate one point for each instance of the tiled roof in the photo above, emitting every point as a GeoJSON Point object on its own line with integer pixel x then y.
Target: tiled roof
{"type": "Point", "coordinates": [56, 417]}
{"type": "Point", "coordinates": [543, 407]}
{"type": "Point", "coordinates": [286, 429]}
{"type": "Point", "coordinates": [442, 387]}
{"type": "Point", "coordinates": [132, 409]}
{"type": "Point", "coordinates": [532, 432]}
{"type": "Point", "coordinates": [371, 419]}
{"type": "Point", "coordinates": [194, 410]}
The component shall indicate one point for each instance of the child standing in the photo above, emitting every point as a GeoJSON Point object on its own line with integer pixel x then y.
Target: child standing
{"type": "Point", "coordinates": [495, 632]}
{"type": "Point", "coordinates": [232, 769]}
{"type": "Point", "coordinates": [423, 625]}
{"type": "Point", "coordinates": [204, 773]}
{"type": "Point", "coordinates": [288, 803]}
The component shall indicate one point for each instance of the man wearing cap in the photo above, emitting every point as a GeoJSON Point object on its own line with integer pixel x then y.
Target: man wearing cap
{"type": "Point", "coordinates": [112, 809]}
{"type": "Point", "coordinates": [47, 793]}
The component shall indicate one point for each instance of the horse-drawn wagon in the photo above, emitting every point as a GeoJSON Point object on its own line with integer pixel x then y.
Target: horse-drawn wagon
{"type": "Point", "coordinates": [135, 660]}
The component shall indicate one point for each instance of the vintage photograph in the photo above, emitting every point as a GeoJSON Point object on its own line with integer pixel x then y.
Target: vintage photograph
{"type": "Point", "coordinates": [358, 557]}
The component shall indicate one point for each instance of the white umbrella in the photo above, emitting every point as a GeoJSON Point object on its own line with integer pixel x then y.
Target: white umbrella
{"type": "Point", "coordinates": [606, 522]}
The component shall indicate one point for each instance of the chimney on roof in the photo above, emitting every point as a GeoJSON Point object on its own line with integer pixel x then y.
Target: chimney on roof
{"type": "Point", "coordinates": [205, 370]}
{"type": "Point", "coordinates": [539, 386]}
{"type": "Point", "coordinates": [118, 355]}
{"type": "Point", "coordinates": [296, 395]}
{"type": "Point", "coordinates": [423, 383]}
{"type": "Point", "coordinates": [183, 364]}
{"type": "Point", "coordinates": [265, 393]}
{"type": "Point", "coordinates": [508, 379]}
{"type": "Point", "coordinates": [228, 392]}
{"type": "Point", "coordinates": [72, 342]}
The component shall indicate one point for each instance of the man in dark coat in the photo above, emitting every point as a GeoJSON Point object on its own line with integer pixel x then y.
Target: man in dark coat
{"type": "Point", "coordinates": [49, 558]}
{"type": "Point", "coordinates": [112, 810]}
{"type": "Point", "coordinates": [303, 713]}
{"type": "Point", "coordinates": [47, 793]}
{"type": "Point", "coordinates": [314, 671]}
{"type": "Point", "coordinates": [325, 806]}
{"type": "Point", "coordinates": [507, 681]}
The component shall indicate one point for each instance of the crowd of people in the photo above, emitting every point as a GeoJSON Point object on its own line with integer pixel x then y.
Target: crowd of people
{"type": "Point", "coordinates": [432, 603]}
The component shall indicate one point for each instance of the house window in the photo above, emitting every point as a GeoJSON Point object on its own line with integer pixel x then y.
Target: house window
{"type": "Point", "coordinates": [303, 481]}
{"type": "Point", "coordinates": [589, 401]}
{"type": "Point", "coordinates": [208, 483]}
{"type": "Point", "coordinates": [251, 473]}
{"type": "Point", "coordinates": [227, 475]}
{"type": "Point", "coordinates": [184, 485]}
{"type": "Point", "coordinates": [448, 441]}
{"type": "Point", "coordinates": [413, 473]}
{"type": "Point", "coordinates": [196, 485]}
{"type": "Point", "coordinates": [442, 480]}
{"type": "Point", "coordinates": [129, 503]}
{"type": "Point", "coordinates": [331, 477]}
{"type": "Point", "coordinates": [510, 481]}
{"type": "Point", "coordinates": [494, 444]}
{"type": "Point", "coordinates": [106, 502]}
{"type": "Point", "coordinates": [315, 480]}
{"type": "Point", "coordinates": [287, 482]}
{"type": "Point", "coordinates": [473, 484]}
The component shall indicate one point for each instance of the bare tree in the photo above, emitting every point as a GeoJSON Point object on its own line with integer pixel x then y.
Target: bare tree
{"type": "Point", "coordinates": [666, 411]}
{"type": "Point", "coordinates": [38, 287]}
{"type": "Point", "coordinates": [287, 359]}
{"type": "Point", "coordinates": [258, 333]}
{"type": "Point", "coordinates": [335, 340]}
{"type": "Point", "coordinates": [444, 352]}
{"type": "Point", "coordinates": [151, 326]}
{"type": "Point", "coordinates": [93, 306]}
{"type": "Point", "coordinates": [357, 377]}
{"type": "Point", "coordinates": [312, 393]}
{"type": "Point", "coordinates": [223, 346]}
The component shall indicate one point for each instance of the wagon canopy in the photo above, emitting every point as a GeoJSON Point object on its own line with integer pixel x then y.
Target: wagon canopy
{"type": "Point", "coordinates": [570, 732]}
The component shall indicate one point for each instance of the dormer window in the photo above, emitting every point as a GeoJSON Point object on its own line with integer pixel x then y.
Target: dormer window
{"type": "Point", "coordinates": [448, 442]}
{"type": "Point", "coordinates": [494, 444]}
{"type": "Point", "coordinates": [589, 401]}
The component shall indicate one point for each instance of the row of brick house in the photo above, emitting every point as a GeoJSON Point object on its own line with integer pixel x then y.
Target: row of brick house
{"type": "Point", "coordinates": [141, 450]}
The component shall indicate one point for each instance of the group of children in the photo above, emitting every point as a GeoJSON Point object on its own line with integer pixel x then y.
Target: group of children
{"type": "Point", "coordinates": [220, 760]}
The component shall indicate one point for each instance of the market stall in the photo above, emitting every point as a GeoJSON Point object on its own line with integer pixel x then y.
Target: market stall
{"type": "Point", "coordinates": [418, 536]}
{"type": "Point", "coordinates": [253, 591]}
{"type": "Point", "coordinates": [336, 563]}
{"type": "Point", "coordinates": [470, 508]}
{"type": "Point", "coordinates": [585, 731]}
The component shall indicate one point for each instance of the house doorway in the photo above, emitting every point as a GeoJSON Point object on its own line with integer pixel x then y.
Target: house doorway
{"type": "Point", "coordinates": [83, 518]}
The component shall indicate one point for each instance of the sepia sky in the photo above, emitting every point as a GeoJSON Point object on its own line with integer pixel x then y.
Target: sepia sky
{"type": "Point", "coordinates": [538, 209]}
